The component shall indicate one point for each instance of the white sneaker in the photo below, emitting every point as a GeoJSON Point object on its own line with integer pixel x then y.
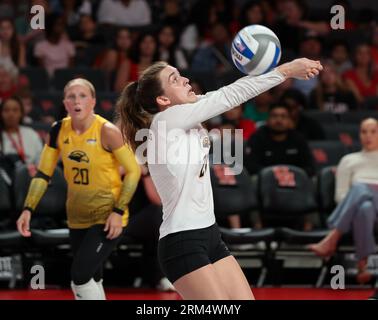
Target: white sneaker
{"type": "Point", "coordinates": [165, 285]}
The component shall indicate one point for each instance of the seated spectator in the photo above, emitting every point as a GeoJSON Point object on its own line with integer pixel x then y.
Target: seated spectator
{"type": "Point", "coordinates": [111, 59]}
{"type": "Point", "coordinates": [56, 51]}
{"type": "Point", "coordinates": [233, 119]}
{"type": "Point", "coordinates": [145, 53]}
{"type": "Point", "coordinates": [27, 35]}
{"type": "Point", "coordinates": [15, 139]}
{"type": "Point", "coordinates": [88, 42]}
{"type": "Point", "coordinates": [330, 94]}
{"type": "Point", "coordinates": [168, 50]}
{"type": "Point", "coordinates": [31, 114]}
{"type": "Point", "coordinates": [252, 13]}
{"type": "Point", "coordinates": [357, 198]}
{"type": "Point", "coordinates": [286, 27]}
{"type": "Point", "coordinates": [308, 127]}
{"type": "Point", "coordinates": [310, 47]}
{"type": "Point", "coordinates": [129, 13]}
{"type": "Point", "coordinates": [11, 48]}
{"type": "Point", "coordinates": [340, 57]}
{"type": "Point", "coordinates": [276, 143]}
{"type": "Point", "coordinates": [8, 80]}
{"type": "Point", "coordinates": [362, 80]}
{"type": "Point", "coordinates": [72, 10]}
{"type": "Point", "coordinates": [214, 56]}
{"type": "Point", "coordinates": [257, 109]}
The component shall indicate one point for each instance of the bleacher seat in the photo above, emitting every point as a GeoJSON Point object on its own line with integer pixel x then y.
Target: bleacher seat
{"type": "Point", "coordinates": [35, 77]}
{"type": "Point", "coordinates": [105, 105]}
{"type": "Point", "coordinates": [285, 193]}
{"type": "Point", "coordinates": [355, 117]}
{"type": "Point", "coordinates": [10, 239]}
{"type": "Point", "coordinates": [50, 104]}
{"type": "Point", "coordinates": [95, 76]}
{"type": "Point", "coordinates": [327, 153]}
{"type": "Point", "coordinates": [238, 199]}
{"type": "Point", "coordinates": [323, 117]}
{"type": "Point", "coordinates": [326, 191]}
{"type": "Point", "coordinates": [346, 133]}
{"type": "Point", "coordinates": [47, 226]}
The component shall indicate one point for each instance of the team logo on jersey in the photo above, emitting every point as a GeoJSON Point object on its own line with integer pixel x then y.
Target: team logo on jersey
{"type": "Point", "coordinates": [91, 141]}
{"type": "Point", "coordinates": [67, 141]}
{"type": "Point", "coordinates": [78, 156]}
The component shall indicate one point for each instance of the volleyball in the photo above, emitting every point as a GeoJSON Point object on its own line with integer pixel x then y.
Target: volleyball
{"type": "Point", "coordinates": [255, 50]}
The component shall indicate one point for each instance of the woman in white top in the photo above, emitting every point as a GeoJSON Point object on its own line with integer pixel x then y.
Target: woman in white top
{"type": "Point", "coordinates": [191, 252]}
{"type": "Point", "coordinates": [15, 139]}
{"type": "Point", "coordinates": [357, 198]}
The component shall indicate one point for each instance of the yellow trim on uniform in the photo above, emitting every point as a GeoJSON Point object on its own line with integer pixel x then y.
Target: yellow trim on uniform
{"type": "Point", "coordinates": [49, 159]}
{"type": "Point", "coordinates": [126, 158]}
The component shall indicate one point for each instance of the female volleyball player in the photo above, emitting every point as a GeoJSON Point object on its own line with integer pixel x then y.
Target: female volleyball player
{"type": "Point", "coordinates": [91, 149]}
{"type": "Point", "coordinates": [191, 252]}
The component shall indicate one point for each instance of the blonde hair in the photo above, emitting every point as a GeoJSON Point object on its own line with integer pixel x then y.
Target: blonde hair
{"type": "Point", "coordinates": [80, 82]}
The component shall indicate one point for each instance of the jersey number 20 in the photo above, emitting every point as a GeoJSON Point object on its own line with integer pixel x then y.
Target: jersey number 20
{"type": "Point", "coordinates": [81, 176]}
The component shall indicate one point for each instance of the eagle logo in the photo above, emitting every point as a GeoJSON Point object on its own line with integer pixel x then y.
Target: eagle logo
{"type": "Point", "coordinates": [78, 156]}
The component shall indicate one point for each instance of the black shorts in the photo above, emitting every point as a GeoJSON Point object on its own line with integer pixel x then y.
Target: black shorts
{"type": "Point", "coordinates": [183, 252]}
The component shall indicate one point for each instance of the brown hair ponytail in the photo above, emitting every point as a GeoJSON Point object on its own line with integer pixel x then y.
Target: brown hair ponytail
{"type": "Point", "coordinates": [137, 103]}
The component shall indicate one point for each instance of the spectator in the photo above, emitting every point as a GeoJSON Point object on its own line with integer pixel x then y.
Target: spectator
{"type": "Point", "coordinates": [252, 13]}
{"type": "Point", "coordinates": [173, 15]}
{"type": "Point", "coordinates": [168, 49]}
{"type": "Point", "coordinates": [31, 113]}
{"type": "Point", "coordinates": [309, 47]}
{"type": "Point", "coordinates": [257, 109]}
{"type": "Point", "coordinates": [362, 80]}
{"type": "Point", "coordinates": [88, 42]}
{"type": "Point", "coordinates": [145, 54]}
{"type": "Point", "coordinates": [340, 57]}
{"type": "Point", "coordinates": [214, 56]}
{"type": "Point", "coordinates": [16, 139]}
{"type": "Point", "coordinates": [357, 198]}
{"type": "Point", "coordinates": [73, 9]}
{"type": "Point", "coordinates": [308, 127]}
{"type": "Point", "coordinates": [8, 80]}
{"type": "Point", "coordinates": [129, 13]}
{"type": "Point", "coordinates": [27, 35]}
{"type": "Point", "coordinates": [276, 143]}
{"type": "Point", "coordinates": [11, 48]}
{"type": "Point", "coordinates": [113, 58]}
{"type": "Point", "coordinates": [233, 119]}
{"type": "Point", "coordinates": [330, 94]}
{"type": "Point", "coordinates": [56, 51]}
{"type": "Point", "coordinates": [287, 29]}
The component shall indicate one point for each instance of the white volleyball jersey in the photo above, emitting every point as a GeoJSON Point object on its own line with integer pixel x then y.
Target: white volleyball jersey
{"type": "Point", "coordinates": [178, 148]}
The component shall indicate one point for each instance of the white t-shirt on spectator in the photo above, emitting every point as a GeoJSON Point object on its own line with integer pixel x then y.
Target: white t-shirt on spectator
{"type": "Point", "coordinates": [54, 56]}
{"type": "Point", "coordinates": [136, 14]}
{"type": "Point", "coordinates": [31, 141]}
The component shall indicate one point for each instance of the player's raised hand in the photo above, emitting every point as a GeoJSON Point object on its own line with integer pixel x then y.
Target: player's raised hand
{"type": "Point", "coordinates": [301, 68]}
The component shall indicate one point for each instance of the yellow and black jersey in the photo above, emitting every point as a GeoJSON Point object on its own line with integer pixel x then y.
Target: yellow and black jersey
{"type": "Point", "coordinates": [92, 175]}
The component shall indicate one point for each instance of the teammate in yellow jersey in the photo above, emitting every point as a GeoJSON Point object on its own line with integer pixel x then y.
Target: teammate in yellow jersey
{"type": "Point", "coordinates": [91, 149]}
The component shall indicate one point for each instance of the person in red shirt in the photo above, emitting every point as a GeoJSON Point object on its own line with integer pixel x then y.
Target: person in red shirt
{"type": "Point", "coordinates": [362, 80]}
